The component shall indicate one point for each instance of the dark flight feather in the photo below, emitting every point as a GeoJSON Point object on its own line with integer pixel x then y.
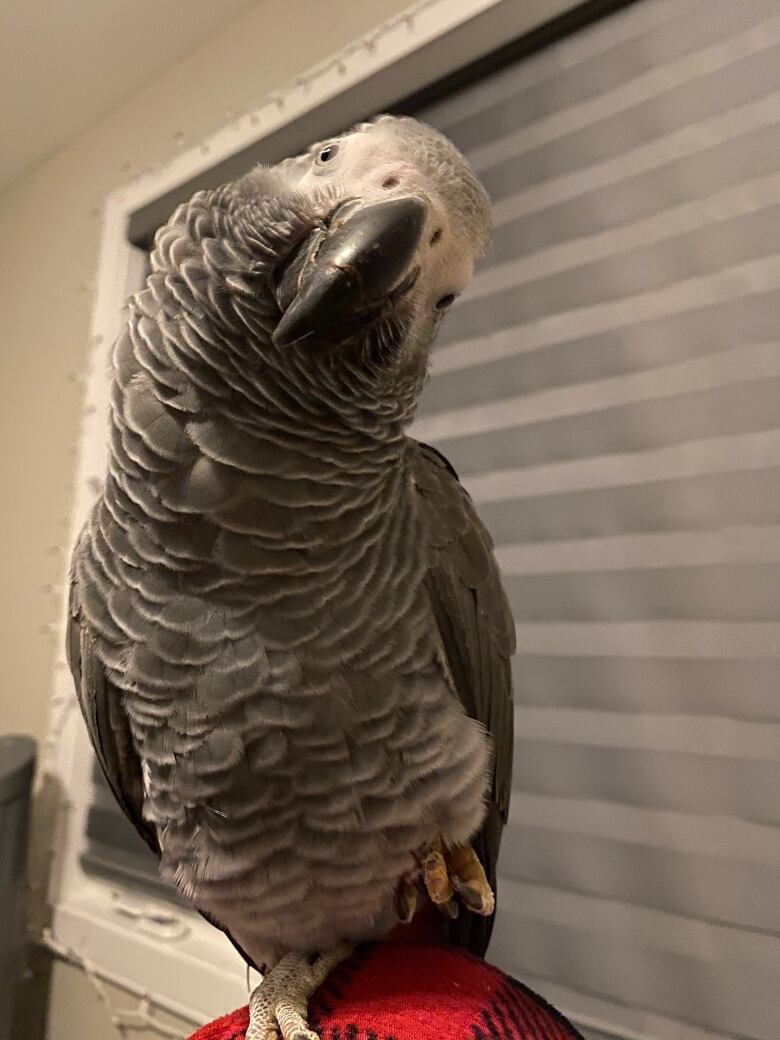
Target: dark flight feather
{"type": "Point", "coordinates": [478, 635]}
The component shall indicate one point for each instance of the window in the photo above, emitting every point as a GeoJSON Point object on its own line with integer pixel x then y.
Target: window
{"type": "Point", "coordinates": [607, 389]}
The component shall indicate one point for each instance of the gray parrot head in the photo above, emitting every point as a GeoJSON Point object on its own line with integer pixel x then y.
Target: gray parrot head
{"type": "Point", "coordinates": [401, 220]}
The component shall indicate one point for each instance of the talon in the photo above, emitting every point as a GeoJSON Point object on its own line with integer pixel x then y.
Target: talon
{"type": "Point", "coordinates": [435, 874]}
{"type": "Point", "coordinates": [469, 879]}
{"type": "Point", "coordinates": [449, 909]}
{"type": "Point", "coordinates": [474, 899]}
{"type": "Point", "coordinates": [407, 898]}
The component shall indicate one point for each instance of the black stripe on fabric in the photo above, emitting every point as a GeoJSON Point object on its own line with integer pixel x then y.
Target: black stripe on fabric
{"type": "Point", "coordinates": [327, 993]}
{"type": "Point", "coordinates": [496, 1009]}
{"type": "Point", "coordinates": [490, 1025]}
{"type": "Point", "coordinates": [540, 1002]}
{"type": "Point", "coordinates": [346, 970]}
{"type": "Point", "coordinates": [515, 1011]}
{"type": "Point", "coordinates": [540, 1024]}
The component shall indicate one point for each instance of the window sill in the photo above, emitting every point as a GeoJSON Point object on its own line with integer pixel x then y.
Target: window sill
{"type": "Point", "coordinates": [173, 955]}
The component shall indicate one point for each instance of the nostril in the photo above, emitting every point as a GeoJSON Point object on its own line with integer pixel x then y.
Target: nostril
{"type": "Point", "coordinates": [435, 236]}
{"type": "Point", "coordinates": [390, 182]}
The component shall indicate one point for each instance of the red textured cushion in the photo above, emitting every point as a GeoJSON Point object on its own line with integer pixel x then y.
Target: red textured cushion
{"type": "Point", "coordinates": [422, 992]}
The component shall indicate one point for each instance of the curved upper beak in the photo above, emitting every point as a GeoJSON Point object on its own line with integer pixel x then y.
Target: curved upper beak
{"type": "Point", "coordinates": [339, 278]}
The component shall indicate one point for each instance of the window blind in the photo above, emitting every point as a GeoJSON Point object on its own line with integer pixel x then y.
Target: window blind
{"type": "Point", "coordinates": [609, 390]}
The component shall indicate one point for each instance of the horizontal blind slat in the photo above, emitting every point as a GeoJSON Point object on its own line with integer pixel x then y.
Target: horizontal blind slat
{"type": "Point", "coordinates": [719, 836]}
{"type": "Point", "coordinates": [748, 452]}
{"type": "Point", "coordinates": [689, 89]}
{"type": "Point", "coordinates": [661, 228]}
{"type": "Point", "coordinates": [663, 341]}
{"type": "Point", "coordinates": [512, 101]}
{"type": "Point", "coordinates": [577, 50]}
{"type": "Point", "coordinates": [735, 282]}
{"type": "Point", "coordinates": [698, 784]}
{"type": "Point", "coordinates": [732, 372]}
{"type": "Point", "coordinates": [636, 198]}
{"type": "Point", "coordinates": [744, 544]}
{"type": "Point", "coordinates": [737, 894]}
{"type": "Point", "coordinates": [646, 272]}
{"type": "Point", "coordinates": [658, 594]}
{"type": "Point", "coordinates": [557, 186]}
{"type": "Point", "coordinates": [677, 732]}
{"type": "Point", "coordinates": [746, 639]}
{"type": "Point", "coordinates": [722, 686]}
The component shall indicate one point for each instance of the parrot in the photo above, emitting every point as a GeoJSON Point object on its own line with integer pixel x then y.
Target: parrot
{"type": "Point", "coordinates": [286, 626]}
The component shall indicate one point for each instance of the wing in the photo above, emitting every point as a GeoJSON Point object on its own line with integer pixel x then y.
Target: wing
{"type": "Point", "coordinates": [107, 723]}
{"type": "Point", "coordinates": [478, 635]}
{"type": "Point", "coordinates": [109, 733]}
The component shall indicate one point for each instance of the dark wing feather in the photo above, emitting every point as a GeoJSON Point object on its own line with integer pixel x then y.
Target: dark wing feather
{"type": "Point", "coordinates": [107, 723]}
{"type": "Point", "coordinates": [109, 733]}
{"type": "Point", "coordinates": [478, 635]}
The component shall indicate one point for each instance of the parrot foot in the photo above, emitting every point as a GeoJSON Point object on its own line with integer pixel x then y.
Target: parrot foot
{"type": "Point", "coordinates": [456, 871]}
{"type": "Point", "coordinates": [279, 1005]}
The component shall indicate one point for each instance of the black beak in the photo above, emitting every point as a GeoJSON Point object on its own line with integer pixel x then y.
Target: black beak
{"type": "Point", "coordinates": [339, 278]}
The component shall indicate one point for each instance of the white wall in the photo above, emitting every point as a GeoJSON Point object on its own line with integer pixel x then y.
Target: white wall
{"type": "Point", "coordinates": [49, 230]}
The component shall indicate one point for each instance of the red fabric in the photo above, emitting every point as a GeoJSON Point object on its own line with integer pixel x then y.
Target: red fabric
{"type": "Point", "coordinates": [418, 992]}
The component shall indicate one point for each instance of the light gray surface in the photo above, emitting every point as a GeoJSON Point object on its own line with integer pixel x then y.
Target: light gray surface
{"type": "Point", "coordinates": [636, 502]}
{"type": "Point", "coordinates": [17, 762]}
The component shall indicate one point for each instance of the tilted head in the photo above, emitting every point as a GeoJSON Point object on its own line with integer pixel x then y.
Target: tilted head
{"type": "Point", "coordinates": [397, 156]}
{"type": "Point", "coordinates": [407, 220]}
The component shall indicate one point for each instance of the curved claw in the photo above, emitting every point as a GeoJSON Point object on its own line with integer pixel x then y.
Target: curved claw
{"type": "Point", "coordinates": [406, 900]}
{"type": "Point", "coordinates": [469, 879]}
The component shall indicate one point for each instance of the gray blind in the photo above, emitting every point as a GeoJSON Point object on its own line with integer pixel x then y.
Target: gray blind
{"type": "Point", "coordinates": [609, 391]}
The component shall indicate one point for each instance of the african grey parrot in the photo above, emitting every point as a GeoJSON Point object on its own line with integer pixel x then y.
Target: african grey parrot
{"type": "Point", "coordinates": [287, 630]}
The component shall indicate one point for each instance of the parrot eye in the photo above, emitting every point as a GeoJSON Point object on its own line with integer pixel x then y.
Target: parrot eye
{"type": "Point", "coordinates": [445, 301]}
{"type": "Point", "coordinates": [330, 151]}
